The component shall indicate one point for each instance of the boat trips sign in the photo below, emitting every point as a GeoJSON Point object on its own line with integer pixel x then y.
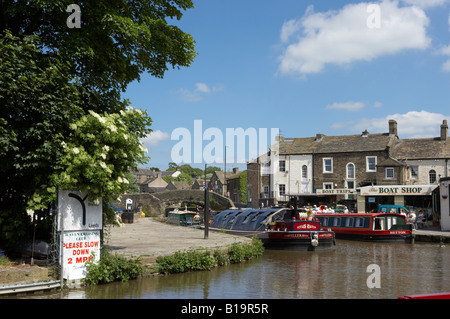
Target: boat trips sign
{"type": "Point", "coordinates": [80, 222]}
{"type": "Point", "coordinates": [397, 190]}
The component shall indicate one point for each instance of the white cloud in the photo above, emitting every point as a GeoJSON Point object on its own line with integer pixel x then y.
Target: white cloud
{"type": "Point", "coordinates": [413, 124]}
{"type": "Point", "coordinates": [197, 94]}
{"type": "Point", "coordinates": [377, 104]}
{"type": "Point", "coordinates": [425, 3]}
{"type": "Point", "coordinates": [155, 137]}
{"type": "Point", "coordinates": [446, 51]}
{"type": "Point", "coordinates": [347, 106]}
{"type": "Point", "coordinates": [202, 87]}
{"type": "Point", "coordinates": [357, 32]}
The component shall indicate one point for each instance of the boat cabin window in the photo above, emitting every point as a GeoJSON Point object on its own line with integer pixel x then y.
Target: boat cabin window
{"type": "Point", "coordinates": [359, 222]}
{"type": "Point", "coordinates": [378, 223]}
{"type": "Point", "coordinates": [325, 221]}
{"type": "Point", "coordinates": [383, 210]}
{"type": "Point", "coordinates": [349, 222]}
{"type": "Point", "coordinates": [337, 222]}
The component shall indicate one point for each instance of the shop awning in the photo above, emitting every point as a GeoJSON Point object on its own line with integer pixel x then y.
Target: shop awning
{"type": "Point", "coordinates": [393, 190]}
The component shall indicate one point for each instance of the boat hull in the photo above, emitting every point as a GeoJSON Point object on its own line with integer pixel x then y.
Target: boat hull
{"type": "Point", "coordinates": [378, 227]}
{"type": "Point", "coordinates": [407, 238]}
{"type": "Point", "coordinates": [297, 240]}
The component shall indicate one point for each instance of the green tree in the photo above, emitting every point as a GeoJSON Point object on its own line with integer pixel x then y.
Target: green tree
{"type": "Point", "coordinates": [243, 187]}
{"type": "Point", "coordinates": [58, 84]}
{"type": "Point", "coordinates": [118, 41]}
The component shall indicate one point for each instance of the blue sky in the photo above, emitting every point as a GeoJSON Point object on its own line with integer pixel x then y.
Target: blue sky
{"type": "Point", "coordinates": [304, 67]}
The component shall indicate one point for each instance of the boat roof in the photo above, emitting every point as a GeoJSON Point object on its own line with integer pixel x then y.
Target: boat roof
{"type": "Point", "coordinates": [355, 214]}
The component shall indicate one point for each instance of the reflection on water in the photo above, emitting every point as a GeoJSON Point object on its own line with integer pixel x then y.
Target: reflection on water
{"type": "Point", "coordinates": [337, 273]}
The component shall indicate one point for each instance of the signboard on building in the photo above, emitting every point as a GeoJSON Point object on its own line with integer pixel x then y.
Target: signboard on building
{"type": "Point", "coordinates": [392, 190]}
{"type": "Point", "coordinates": [79, 223]}
{"type": "Point", "coordinates": [336, 191]}
{"type": "Point", "coordinates": [78, 248]}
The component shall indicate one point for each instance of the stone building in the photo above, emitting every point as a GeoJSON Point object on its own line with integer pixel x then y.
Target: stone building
{"type": "Point", "coordinates": [351, 169]}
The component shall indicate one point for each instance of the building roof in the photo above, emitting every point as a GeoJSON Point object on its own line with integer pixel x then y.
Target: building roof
{"type": "Point", "coordinates": [421, 148]}
{"type": "Point", "coordinates": [365, 142]}
{"type": "Point", "coordinates": [178, 185]}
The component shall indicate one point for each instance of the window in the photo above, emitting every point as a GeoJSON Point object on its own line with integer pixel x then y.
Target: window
{"type": "Point", "coordinates": [350, 184]}
{"type": "Point", "coordinates": [432, 176]}
{"type": "Point", "coordinates": [328, 165]}
{"type": "Point", "coordinates": [389, 173]}
{"type": "Point", "coordinates": [266, 191]}
{"type": "Point", "coordinates": [359, 222]}
{"type": "Point", "coordinates": [414, 172]}
{"type": "Point", "coordinates": [371, 163]}
{"type": "Point", "coordinates": [349, 222]}
{"type": "Point", "coordinates": [282, 166]}
{"type": "Point", "coordinates": [304, 172]}
{"type": "Point", "coordinates": [282, 189]}
{"type": "Point", "coordinates": [327, 185]}
{"type": "Point", "coordinates": [350, 170]}
{"type": "Point", "coordinates": [337, 222]}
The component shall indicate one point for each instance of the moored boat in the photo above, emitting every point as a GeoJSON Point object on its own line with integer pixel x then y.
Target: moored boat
{"type": "Point", "coordinates": [278, 228]}
{"type": "Point", "coordinates": [368, 227]}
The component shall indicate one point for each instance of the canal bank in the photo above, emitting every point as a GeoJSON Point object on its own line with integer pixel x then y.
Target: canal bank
{"type": "Point", "coordinates": [149, 239]}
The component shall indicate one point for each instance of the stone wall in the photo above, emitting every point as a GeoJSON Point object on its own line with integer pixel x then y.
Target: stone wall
{"type": "Point", "coordinates": [156, 203]}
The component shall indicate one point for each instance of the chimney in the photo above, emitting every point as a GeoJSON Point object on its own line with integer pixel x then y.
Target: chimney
{"type": "Point", "coordinates": [365, 133]}
{"type": "Point", "coordinates": [319, 137]}
{"type": "Point", "coordinates": [444, 130]}
{"type": "Point", "coordinates": [392, 127]}
{"type": "Point", "coordinates": [235, 170]}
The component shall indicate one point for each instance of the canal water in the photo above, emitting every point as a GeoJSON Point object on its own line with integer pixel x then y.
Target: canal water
{"type": "Point", "coordinates": [343, 272]}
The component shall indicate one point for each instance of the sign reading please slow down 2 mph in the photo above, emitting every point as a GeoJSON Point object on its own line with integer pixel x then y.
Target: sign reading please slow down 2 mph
{"type": "Point", "coordinates": [80, 222]}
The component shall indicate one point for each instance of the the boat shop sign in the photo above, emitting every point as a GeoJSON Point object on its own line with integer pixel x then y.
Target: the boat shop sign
{"type": "Point", "coordinates": [393, 190]}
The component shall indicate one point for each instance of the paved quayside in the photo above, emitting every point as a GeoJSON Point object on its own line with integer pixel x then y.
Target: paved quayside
{"type": "Point", "coordinates": [149, 239]}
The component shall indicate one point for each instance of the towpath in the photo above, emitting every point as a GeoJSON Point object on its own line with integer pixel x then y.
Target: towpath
{"type": "Point", "coordinates": [149, 239]}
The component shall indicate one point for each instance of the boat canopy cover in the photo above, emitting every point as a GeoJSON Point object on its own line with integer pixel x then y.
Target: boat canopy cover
{"type": "Point", "coordinates": [248, 219]}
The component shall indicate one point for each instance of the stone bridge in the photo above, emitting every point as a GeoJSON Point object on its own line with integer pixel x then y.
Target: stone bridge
{"type": "Point", "coordinates": [156, 203]}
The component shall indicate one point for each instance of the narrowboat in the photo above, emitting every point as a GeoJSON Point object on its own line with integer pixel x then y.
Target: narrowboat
{"type": "Point", "coordinates": [278, 228]}
{"type": "Point", "coordinates": [368, 227]}
{"type": "Point", "coordinates": [245, 222]}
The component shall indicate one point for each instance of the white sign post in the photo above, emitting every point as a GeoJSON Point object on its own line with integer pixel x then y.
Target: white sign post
{"type": "Point", "coordinates": [78, 248]}
{"type": "Point", "coordinates": [80, 222]}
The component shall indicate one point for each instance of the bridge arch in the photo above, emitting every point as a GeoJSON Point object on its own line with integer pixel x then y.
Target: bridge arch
{"type": "Point", "coordinates": [156, 203]}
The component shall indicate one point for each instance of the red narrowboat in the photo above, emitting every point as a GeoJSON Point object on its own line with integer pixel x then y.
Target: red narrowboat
{"type": "Point", "coordinates": [278, 228]}
{"type": "Point", "coordinates": [370, 227]}
{"type": "Point", "coordinates": [298, 235]}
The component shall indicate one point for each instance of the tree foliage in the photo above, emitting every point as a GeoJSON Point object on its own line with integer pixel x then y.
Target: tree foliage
{"type": "Point", "coordinates": [118, 41]}
{"type": "Point", "coordinates": [63, 122]}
